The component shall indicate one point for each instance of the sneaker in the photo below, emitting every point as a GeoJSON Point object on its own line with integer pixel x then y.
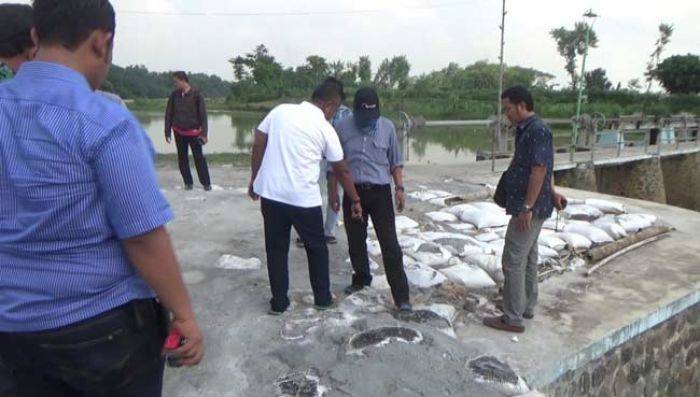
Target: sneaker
{"type": "Point", "coordinates": [189, 187]}
{"type": "Point", "coordinates": [331, 240]}
{"type": "Point", "coordinates": [207, 188]}
{"type": "Point", "coordinates": [405, 308]}
{"type": "Point", "coordinates": [351, 289]}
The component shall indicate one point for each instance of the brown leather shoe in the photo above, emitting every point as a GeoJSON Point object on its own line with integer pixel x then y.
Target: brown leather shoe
{"type": "Point", "coordinates": [526, 315]}
{"type": "Point", "coordinates": [499, 324]}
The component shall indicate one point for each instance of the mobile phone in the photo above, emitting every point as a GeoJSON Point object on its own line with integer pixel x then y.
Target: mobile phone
{"type": "Point", "coordinates": [172, 342]}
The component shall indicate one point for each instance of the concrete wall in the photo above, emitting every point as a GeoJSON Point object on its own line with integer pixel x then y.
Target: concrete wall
{"type": "Point", "coordinates": [682, 180]}
{"type": "Point", "coordinates": [641, 179]}
{"type": "Point", "coordinates": [663, 361]}
{"type": "Point", "coordinates": [673, 180]}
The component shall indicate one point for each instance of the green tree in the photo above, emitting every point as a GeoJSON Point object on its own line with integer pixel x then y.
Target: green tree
{"type": "Point", "coordinates": [364, 70]}
{"type": "Point", "coordinates": [680, 74]}
{"type": "Point", "coordinates": [400, 69]}
{"type": "Point", "coordinates": [393, 73]}
{"type": "Point", "coordinates": [596, 80]}
{"type": "Point", "coordinates": [571, 44]}
{"type": "Point", "coordinates": [239, 68]}
{"type": "Point", "coordinates": [634, 85]}
{"type": "Point", "coordinates": [665, 32]}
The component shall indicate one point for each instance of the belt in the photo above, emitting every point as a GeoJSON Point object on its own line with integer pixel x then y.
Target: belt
{"type": "Point", "coordinates": [369, 186]}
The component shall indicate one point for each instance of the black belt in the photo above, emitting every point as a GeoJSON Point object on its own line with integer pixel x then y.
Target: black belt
{"type": "Point", "coordinates": [369, 186]}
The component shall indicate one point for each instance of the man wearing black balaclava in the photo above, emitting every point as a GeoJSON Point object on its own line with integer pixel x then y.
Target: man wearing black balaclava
{"type": "Point", "coordinates": [373, 153]}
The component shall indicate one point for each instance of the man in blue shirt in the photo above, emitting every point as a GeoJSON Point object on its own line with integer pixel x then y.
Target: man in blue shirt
{"type": "Point", "coordinates": [83, 245]}
{"type": "Point", "coordinates": [530, 199]}
{"type": "Point", "coordinates": [373, 153]}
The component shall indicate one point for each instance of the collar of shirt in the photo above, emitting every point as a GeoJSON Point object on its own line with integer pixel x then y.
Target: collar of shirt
{"type": "Point", "coordinates": [522, 126]}
{"type": "Point", "coordinates": [51, 71]}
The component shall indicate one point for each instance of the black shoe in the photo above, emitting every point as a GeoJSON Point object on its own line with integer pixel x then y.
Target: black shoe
{"type": "Point", "coordinates": [325, 307]}
{"type": "Point", "coordinates": [529, 316]}
{"type": "Point", "coordinates": [351, 289]}
{"type": "Point", "coordinates": [207, 188]}
{"type": "Point", "coordinates": [331, 240]}
{"type": "Point", "coordinates": [274, 312]}
{"type": "Point", "coordinates": [405, 308]}
{"type": "Point", "coordinates": [189, 187]}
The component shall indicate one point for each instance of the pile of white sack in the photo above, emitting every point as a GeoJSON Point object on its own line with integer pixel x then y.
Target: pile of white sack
{"type": "Point", "coordinates": [469, 241]}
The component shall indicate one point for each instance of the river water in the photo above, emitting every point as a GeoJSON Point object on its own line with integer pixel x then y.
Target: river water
{"type": "Point", "coordinates": [231, 132]}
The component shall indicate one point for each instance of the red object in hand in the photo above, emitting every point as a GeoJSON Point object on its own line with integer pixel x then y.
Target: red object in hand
{"type": "Point", "coordinates": [174, 340]}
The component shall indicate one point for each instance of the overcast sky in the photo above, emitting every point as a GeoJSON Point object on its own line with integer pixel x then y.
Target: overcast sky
{"type": "Point", "coordinates": [462, 31]}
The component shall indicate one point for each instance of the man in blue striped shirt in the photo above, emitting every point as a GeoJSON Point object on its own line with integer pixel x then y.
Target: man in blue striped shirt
{"type": "Point", "coordinates": [83, 247]}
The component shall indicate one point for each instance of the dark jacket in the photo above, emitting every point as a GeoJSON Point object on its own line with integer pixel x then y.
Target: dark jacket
{"type": "Point", "coordinates": [186, 111]}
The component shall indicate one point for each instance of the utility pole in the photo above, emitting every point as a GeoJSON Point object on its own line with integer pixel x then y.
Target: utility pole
{"type": "Point", "coordinates": [497, 132]}
{"type": "Point", "coordinates": [574, 137]}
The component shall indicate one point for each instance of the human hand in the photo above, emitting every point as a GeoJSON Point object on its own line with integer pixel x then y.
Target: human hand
{"type": "Point", "coordinates": [168, 139]}
{"type": "Point", "coordinates": [560, 202]}
{"type": "Point", "coordinates": [334, 202]}
{"type": "Point", "coordinates": [357, 211]}
{"type": "Point", "coordinates": [400, 200]}
{"type": "Point", "coordinates": [191, 353]}
{"type": "Point", "coordinates": [203, 139]}
{"type": "Point", "coordinates": [251, 192]}
{"type": "Point", "coordinates": [524, 221]}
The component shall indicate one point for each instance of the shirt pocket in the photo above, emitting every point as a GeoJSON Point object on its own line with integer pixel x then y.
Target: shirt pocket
{"type": "Point", "coordinates": [379, 152]}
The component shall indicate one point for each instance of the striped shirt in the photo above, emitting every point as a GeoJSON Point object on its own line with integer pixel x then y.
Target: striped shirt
{"type": "Point", "coordinates": [76, 177]}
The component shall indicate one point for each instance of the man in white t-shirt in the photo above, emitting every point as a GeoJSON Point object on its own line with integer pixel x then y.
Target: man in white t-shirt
{"type": "Point", "coordinates": [289, 146]}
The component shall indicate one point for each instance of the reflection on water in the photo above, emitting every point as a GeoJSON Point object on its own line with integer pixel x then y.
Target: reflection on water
{"type": "Point", "coordinates": [228, 132]}
{"type": "Point", "coordinates": [232, 133]}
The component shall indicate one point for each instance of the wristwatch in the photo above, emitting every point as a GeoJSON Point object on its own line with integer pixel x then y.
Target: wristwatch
{"type": "Point", "coordinates": [526, 208]}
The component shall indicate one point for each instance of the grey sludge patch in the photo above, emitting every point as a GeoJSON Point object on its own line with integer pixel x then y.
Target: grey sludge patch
{"type": "Point", "coordinates": [498, 376]}
{"type": "Point", "coordinates": [490, 368]}
{"type": "Point", "coordinates": [423, 317]}
{"type": "Point", "coordinates": [193, 277]}
{"type": "Point", "coordinates": [382, 336]}
{"type": "Point", "coordinates": [300, 384]}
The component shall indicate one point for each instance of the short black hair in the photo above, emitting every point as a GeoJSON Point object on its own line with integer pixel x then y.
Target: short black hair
{"type": "Point", "coordinates": [326, 91]}
{"type": "Point", "coordinates": [16, 23]}
{"type": "Point", "coordinates": [341, 86]}
{"type": "Point", "coordinates": [70, 22]}
{"type": "Point", "coordinates": [519, 94]}
{"type": "Point", "coordinates": [182, 76]}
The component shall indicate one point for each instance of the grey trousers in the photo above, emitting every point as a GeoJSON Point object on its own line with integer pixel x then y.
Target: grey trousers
{"type": "Point", "coordinates": [520, 258]}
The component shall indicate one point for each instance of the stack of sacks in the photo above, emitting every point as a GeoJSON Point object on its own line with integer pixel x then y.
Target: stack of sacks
{"type": "Point", "coordinates": [431, 254]}
{"type": "Point", "coordinates": [469, 276]}
{"type": "Point", "coordinates": [481, 215]}
{"type": "Point", "coordinates": [420, 275]}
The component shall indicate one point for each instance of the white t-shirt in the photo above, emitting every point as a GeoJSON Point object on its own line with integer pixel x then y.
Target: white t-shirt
{"type": "Point", "coordinates": [298, 138]}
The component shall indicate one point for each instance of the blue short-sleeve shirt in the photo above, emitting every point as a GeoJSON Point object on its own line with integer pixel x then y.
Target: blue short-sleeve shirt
{"type": "Point", "coordinates": [533, 147]}
{"type": "Point", "coordinates": [76, 178]}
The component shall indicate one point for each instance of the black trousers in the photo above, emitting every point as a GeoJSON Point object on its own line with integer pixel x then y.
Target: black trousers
{"type": "Point", "coordinates": [184, 143]}
{"type": "Point", "coordinates": [376, 202]}
{"type": "Point", "coordinates": [116, 354]}
{"type": "Point", "coordinates": [308, 222]}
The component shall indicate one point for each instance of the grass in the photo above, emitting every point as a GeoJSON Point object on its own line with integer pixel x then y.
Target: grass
{"type": "Point", "coordinates": [235, 159]}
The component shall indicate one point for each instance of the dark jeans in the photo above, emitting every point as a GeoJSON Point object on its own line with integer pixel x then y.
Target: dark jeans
{"type": "Point", "coordinates": [308, 222]}
{"type": "Point", "coordinates": [183, 144]}
{"type": "Point", "coordinates": [116, 354]}
{"type": "Point", "coordinates": [376, 202]}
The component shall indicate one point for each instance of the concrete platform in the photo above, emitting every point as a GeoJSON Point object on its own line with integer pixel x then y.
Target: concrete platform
{"type": "Point", "coordinates": [578, 318]}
